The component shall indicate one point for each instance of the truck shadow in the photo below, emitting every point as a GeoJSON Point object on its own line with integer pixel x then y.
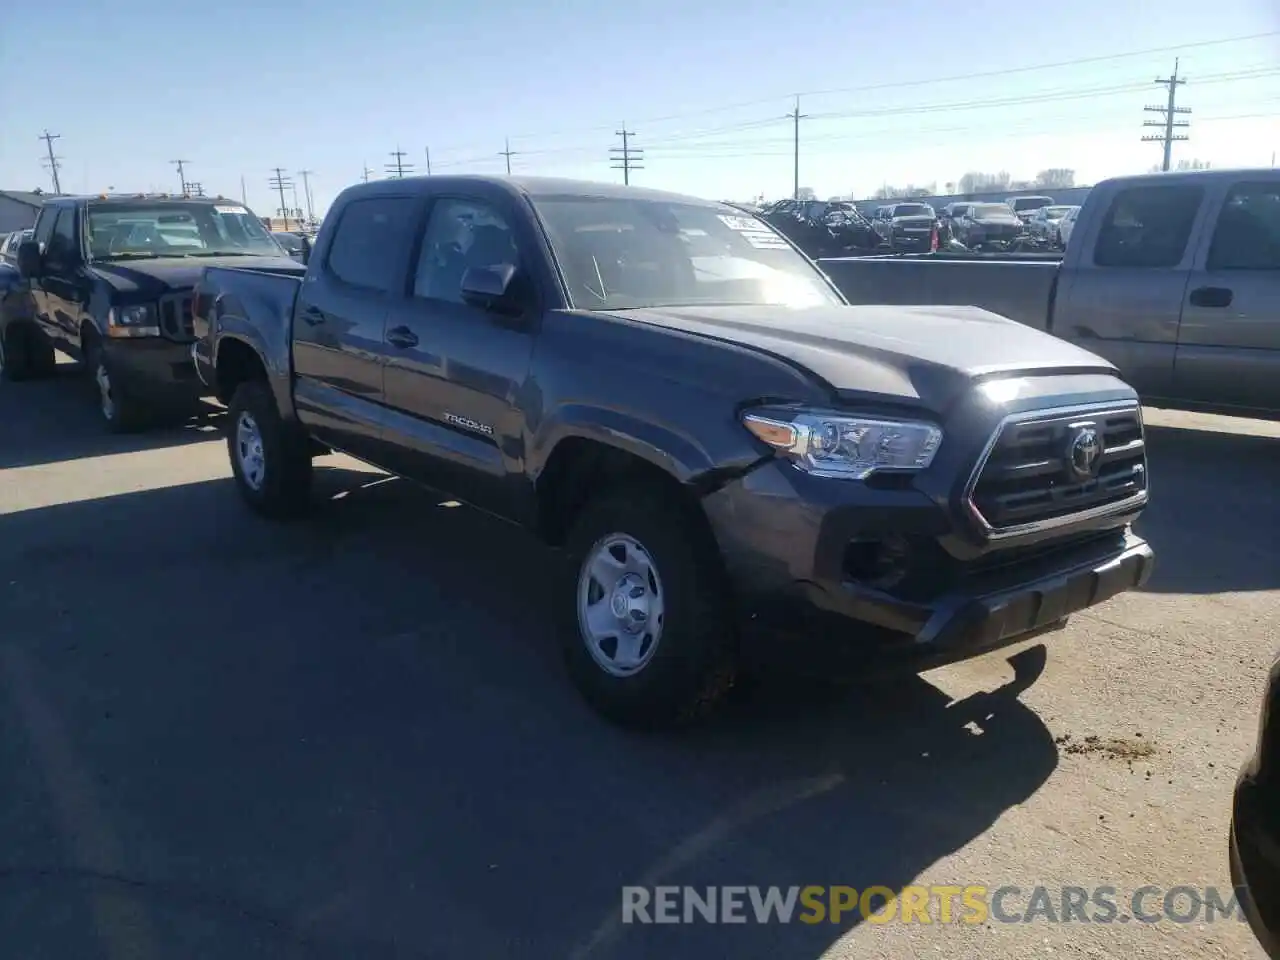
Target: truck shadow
{"type": "Point", "coordinates": [1214, 510]}
{"type": "Point", "coordinates": [352, 737]}
{"type": "Point", "coordinates": [55, 420]}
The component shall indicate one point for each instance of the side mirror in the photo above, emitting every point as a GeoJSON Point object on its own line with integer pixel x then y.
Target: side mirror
{"type": "Point", "coordinates": [29, 259]}
{"type": "Point", "coordinates": [485, 287]}
{"type": "Point", "coordinates": [306, 250]}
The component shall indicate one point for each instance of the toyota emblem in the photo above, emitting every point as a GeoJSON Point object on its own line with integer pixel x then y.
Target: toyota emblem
{"type": "Point", "coordinates": [1084, 452]}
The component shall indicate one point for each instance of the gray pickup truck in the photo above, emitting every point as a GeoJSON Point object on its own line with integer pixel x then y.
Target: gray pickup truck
{"type": "Point", "coordinates": [1174, 278]}
{"type": "Point", "coordinates": [737, 464]}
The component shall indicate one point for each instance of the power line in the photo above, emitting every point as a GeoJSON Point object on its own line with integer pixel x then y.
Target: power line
{"type": "Point", "coordinates": [508, 153]}
{"type": "Point", "coordinates": [281, 183]}
{"type": "Point", "coordinates": [626, 157]}
{"type": "Point", "coordinates": [52, 163]}
{"type": "Point", "coordinates": [1171, 112]}
{"type": "Point", "coordinates": [797, 116]}
{"type": "Point", "coordinates": [182, 175]}
{"type": "Point", "coordinates": [398, 167]}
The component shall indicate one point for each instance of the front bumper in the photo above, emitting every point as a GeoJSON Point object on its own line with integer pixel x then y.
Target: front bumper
{"type": "Point", "coordinates": [794, 562]}
{"type": "Point", "coordinates": [154, 369]}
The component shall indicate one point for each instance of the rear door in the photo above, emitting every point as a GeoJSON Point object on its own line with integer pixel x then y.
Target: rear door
{"type": "Point", "coordinates": [1121, 297]}
{"type": "Point", "coordinates": [456, 370]}
{"type": "Point", "coordinates": [339, 348]}
{"type": "Point", "coordinates": [1229, 339]}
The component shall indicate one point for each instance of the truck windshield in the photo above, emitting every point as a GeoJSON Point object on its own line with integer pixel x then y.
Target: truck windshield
{"type": "Point", "coordinates": [618, 254]}
{"type": "Point", "coordinates": [124, 230]}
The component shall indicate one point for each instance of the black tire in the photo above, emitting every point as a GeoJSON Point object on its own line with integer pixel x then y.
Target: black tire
{"type": "Point", "coordinates": [24, 355]}
{"type": "Point", "coordinates": [283, 490]}
{"type": "Point", "coordinates": [693, 661]}
{"type": "Point", "coordinates": [121, 412]}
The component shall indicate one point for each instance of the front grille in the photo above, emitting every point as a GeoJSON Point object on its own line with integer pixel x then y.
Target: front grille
{"type": "Point", "coordinates": [175, 317]}
{"type": "Point", "coordinates": [1028, 476]}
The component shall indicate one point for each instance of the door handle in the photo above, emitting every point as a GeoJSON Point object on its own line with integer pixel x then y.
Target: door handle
{"type": "Point", "coordinates": [313, 316]}
{"type": "Point", "coordinates": [1211, 297]}
{"type": "Point", "coordinates": [402, 337]}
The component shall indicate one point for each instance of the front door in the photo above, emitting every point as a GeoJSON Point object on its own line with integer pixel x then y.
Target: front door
{"type": "Point", "coordinates": [39, 300]}
{"type": "Point", "coordinates": [1229, 339]}
{"type": "Point", "coordinates": [456, 370]}
{"type": "Point", "coordinates": [65, 283]}
{"type": "Point", "coordinates": [339, 347]}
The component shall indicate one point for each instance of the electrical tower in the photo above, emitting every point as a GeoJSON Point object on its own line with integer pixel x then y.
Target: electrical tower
{"type": "Point", "coordinates": [508, 153]}
{"type": "Point", "coordinates": [796, 116]}
{"type": "Point", "coordinates": [53, 163]}
{"type": "Point", "coordinates": [367, 173]}
{"type": "Point", "coordinates": [281, 183]}
{"type": "Point", "coordinates": [183, 186]}
{"type": "Point", "coordinates": [306, 176]}
{"type": "Point", "coordinates": [626, 157]}
{"type": "Point", "coordinates": [398, 168]}
{"type": "Point", "coordinates": [194, 189]}
{"type": "Point", "coordinates": [1171, 112]}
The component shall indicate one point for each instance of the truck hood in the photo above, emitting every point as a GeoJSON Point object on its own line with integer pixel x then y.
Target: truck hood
{"type": "Point", "coordinates": [148, 279]}
{"type": "Point", "coordinates": [925, 355]}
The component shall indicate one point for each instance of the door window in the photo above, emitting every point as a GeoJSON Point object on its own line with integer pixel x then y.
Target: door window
{"type": "Point", "coordinates": [1247, 236]}
{"type": "Point", "coordinates": [64, 245]}
{"type": "Point", "coordinates": [370, 246]}
{"type": "Point", "coordinates": [44, 227]}
{"type": "Point", "coordinates": [461, 234]}
{"type": "Point", "coordinates": [1148, 226]}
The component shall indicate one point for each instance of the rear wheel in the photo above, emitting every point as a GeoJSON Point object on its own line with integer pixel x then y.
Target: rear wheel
{"type": "Point", "coordinates": [271, 460]}
{"type": "Point", "coordinates": [654, 641]}
{"type": "Point", "coordinates": [24, 355]}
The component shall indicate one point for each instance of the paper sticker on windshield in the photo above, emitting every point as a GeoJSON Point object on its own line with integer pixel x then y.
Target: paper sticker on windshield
{"type": "Point", "coordinates": [231, 211]}
{"type": "Point", "coordinates": [754, 232]}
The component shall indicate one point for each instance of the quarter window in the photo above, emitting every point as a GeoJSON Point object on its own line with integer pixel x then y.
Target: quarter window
{"type": "Point", "coordinates": [1148, 226]}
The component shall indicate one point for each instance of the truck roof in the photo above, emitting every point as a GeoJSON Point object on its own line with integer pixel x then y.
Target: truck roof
{"type": "Point", "coordinates": [1182, 176]}
{"type": "Point", "coordinates": [69, 200]}
{"type": "Point", "coordinates": [529, 186]}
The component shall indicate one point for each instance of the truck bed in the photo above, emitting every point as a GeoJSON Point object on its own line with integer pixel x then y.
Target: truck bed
{"type": "Point", "coordinates": [1017, 288]}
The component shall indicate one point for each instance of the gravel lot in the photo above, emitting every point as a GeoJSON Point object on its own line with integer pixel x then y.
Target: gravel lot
{"type": "Point", "coordinates": [351, 738]}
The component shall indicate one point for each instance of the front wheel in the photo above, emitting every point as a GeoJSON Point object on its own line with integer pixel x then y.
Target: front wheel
{"type": "Point", "coordinates": [654, 638]}
{"type": "Point", "coordinates": [271, 460]}
{"type": "Point", "coordinates": [120, 411]}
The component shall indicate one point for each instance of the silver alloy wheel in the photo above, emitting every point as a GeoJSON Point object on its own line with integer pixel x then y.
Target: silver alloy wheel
{"type": "Point", "coordinates": [106, 397]}
{"type": "Point", "coordinates": [621, 605]}
{"type": "Point", "coordinates": [249, 452]}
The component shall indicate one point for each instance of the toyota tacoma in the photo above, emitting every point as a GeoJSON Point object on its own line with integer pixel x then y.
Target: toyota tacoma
{"type": "Point", "coordinates": [736, 462]}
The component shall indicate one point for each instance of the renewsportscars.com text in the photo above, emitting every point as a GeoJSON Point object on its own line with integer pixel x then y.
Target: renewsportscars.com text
{"type": "Point", "coordinates": [972, 904]}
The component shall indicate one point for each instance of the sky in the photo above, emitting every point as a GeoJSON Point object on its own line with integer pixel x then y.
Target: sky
{"type": "Point", "coordinates": [907, 91]}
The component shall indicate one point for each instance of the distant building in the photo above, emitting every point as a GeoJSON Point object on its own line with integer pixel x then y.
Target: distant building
{"type": "Point", "coordinates": [18, 209]}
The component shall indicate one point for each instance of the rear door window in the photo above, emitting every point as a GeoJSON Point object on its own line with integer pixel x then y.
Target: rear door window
{"type": "Point", "coordinates": [1148, 226]}
{"type": "Point", "coordinates": [371, 244]}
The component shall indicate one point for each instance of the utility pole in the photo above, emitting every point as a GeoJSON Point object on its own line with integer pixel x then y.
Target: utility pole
{"type": "Point", "coordinates": [1171, 112]}
{"type": "Point", "coordinates": [182, 175]}
{"type": "Point", "coordinates": [281, 183]}
{"type": "Point", "coordinates": [508, 153]}
{"type": "Point", "coordinates": [195, 189]}
{"type": "Point", "coordinates": [428, 161]}
{"type": "Point", "coordinates": [306, 176]}
{"type": "Point", "coordinates": [54, 162]}
{"type": "Point", "coordinates": [244, 194]}
{"type": "Point", "coordinates": [367, 173]}
{"type": "Point", "coordinates": [796, 116]}
{"type": "Point", "coordinates": [398, 167]}
{"type": "Point", "coordinates": [626, 157]}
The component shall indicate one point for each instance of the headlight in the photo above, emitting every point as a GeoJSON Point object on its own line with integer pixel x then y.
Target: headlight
{"type": "Point", "coordinates": [829, 444]}
{"type": "Point", "coordinates": [134, 321]}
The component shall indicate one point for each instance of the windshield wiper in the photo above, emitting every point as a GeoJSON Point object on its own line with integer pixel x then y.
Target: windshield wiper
{"type": "Point", "coordinates": [128, 256]}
